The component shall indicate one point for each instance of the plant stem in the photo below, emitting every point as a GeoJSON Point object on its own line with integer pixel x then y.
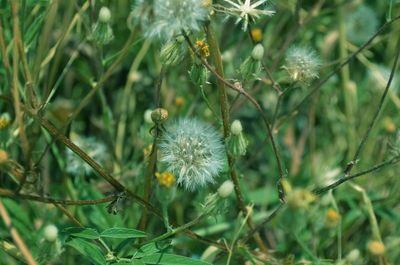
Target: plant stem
{"type": "Point", "coordinates": [216, 57]}
{"type": "Point", "coordinates": [349, 94]}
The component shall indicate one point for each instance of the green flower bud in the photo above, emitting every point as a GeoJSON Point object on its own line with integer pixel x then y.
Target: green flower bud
{"type": "Point", "coordinates": [165, 195]}
{"type": "Point", "coordinates": [225, 189]}
{"type": "Point", "coordinates": [258, 52]}
{"type": "Point", "coordinates": [236, 127]}
{"type": "Point", "coordinates": [198, 74]}
{"type": "Point", "coordinates": [250, 67]}
{"type": "Point", "coordinates": [104, 15]}
{"type": "Point", "coordinates": [147, 117]}
{"type": "Point", "coordinates": [50, 233]}
{"type": "Point", "coordinates": [172, 53]}
{"type": "Point", "coordinates": [237, 143]}
{"type": "Point", "coordinates": [102, 33]}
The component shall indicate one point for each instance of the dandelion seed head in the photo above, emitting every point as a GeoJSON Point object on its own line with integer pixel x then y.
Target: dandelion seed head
{"type": "Point", "coordinates": [361, 24]}
{"type": "Point", "coordinates": [193, 151]}
{"type": "Point", "coordinates": [302, 64]}
{"type": "Point", "coordinates": [173, 16]}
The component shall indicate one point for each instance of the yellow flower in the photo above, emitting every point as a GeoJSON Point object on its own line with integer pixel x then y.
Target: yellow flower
{"type": "Point", "coordinates": [203, 48]}
{"type": "Point", "coordinates": [166, 179]}
{"type": "Point", "coordinates": [388, 124]}
{"type": "Point", "coordinates": [3, 156]}
{"type": "Point", "coordinates": [179, 101]}
{"type": "Point", "coordinates": [376, 248]}
{"type": "Point", "coordinates": [256, 33]}
{"type": "Point", "coordinates": [5, 121]}
{"type": "Point", "coordinates": [332, 216]}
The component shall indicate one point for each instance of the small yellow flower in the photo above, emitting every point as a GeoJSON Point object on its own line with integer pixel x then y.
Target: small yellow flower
{"type": "Point", "coordinates": [376, 248]}
{"type": "Point", "coordinates": [3, 156]}
{"type": "Point", "coordinates": [388, 124]}
{"type": "Point", "coordinates": [203, 48]}
{"type": "Point", "coordinates": [257, 35]}
{"type": "Point", "coordinates": [179, 101]}
{"type": "Point", "coordinates": [332, 216]}
{"type": "Point", "coordinates": [5, 121]}
{"type": "Point", "coordinates": [166, 179]}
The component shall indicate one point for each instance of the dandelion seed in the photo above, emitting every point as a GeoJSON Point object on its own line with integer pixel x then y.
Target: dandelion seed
{"type": "Point", "coordinates": [193, 151]}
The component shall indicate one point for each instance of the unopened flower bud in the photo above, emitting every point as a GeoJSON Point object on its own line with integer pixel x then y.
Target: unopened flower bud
{"type": "Point", "coordinates": [147, 116]}
{"type": "Point", "coordinates": [50, 233]}
{"type": "Point", "coordinates": [376, 248]}
{"type": "Point", "coordinates": [225, 189]}
{"type": "Point", "coordinates": [236, 127]}
{"type": "Point", "coordinates": [104, 15]}
{"type": "Point", "coordinates": [3, 156]}
{"type": "Point", "coordinates": [159, 115]}
{"type": "Point", "coordinates": [258, 52]}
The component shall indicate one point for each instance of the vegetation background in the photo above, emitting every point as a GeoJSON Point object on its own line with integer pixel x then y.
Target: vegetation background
{"type": "Point", "coordinates": [67, 74]}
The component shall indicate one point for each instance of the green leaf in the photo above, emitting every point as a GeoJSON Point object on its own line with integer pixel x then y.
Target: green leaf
{"type": "Point", "coordinates": [137, 262]}
{"type": "Point", "coordinates": [88, 233]}
{"type": "Point", "coordinates": [169, 259]}
{"type": "Point", "coordinates": [89, 250]}
{"type": "Point", "coordinates": [151, 248]}
{"type": "Point", "coordinates": [122, 233]}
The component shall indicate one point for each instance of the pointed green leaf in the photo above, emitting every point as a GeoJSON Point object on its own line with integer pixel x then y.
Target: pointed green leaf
{"type": "Point", "coordinates": [89, 250]}
{"type": "Point", "coordinates": [88, 233]}
{"type": "Point", "coordinates": [170, 259]}
{"type": "Point", "coordinates": [122, 233]}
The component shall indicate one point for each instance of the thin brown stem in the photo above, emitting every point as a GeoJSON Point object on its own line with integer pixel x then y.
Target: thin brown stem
{"type": "Point", "coordinates": [376, 114]}
{"type": "Point", "coordinates": [347, 178]}
{"type": "Point", "coordinates": [11, 194]}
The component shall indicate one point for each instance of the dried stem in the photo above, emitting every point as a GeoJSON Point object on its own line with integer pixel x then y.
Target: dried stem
{"type": "Point", "coordinates": [11, 194]}
{"type": "Point", "coordinates": [15, 235]}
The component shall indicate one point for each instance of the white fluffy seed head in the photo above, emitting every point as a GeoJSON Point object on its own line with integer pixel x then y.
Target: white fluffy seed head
{"type": "Point", "coordinates": [225, 189]}
{"type": "Point", "coordinates": [193, 151]}
{"type": "Point", "coordinates": [236, 127]}
{"type": "Point", "coordinates": [302, 64]}
{"type": "Point", "coordinates": [50, 233]}
{"type": "Point", "coordinates": [104, 15]}
{"type": "Point", "coordinates": [173, 16]}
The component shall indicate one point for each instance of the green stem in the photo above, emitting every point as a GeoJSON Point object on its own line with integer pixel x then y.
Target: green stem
{"type": "Point", "coordinates": [216, 57]}
{"type": "Point", "coordinates": [349, 94]}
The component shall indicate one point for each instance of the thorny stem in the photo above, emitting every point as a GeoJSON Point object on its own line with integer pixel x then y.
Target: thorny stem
{"type": "Point", "coordinates": [216, 57]}
{"type": "Point", "coordinates": [375, 117]}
